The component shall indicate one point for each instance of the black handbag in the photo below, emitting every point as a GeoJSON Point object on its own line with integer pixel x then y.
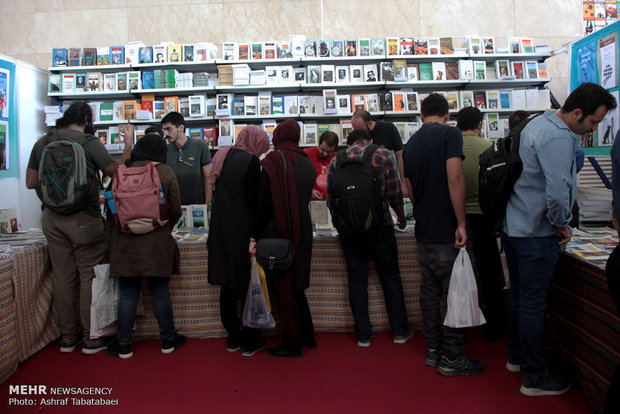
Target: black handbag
{"type": "Point", "coordinates": [277, 253]}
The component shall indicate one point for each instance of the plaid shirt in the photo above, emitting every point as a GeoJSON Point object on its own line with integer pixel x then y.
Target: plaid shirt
{"type": "Point", "coordinates": [387, 176]}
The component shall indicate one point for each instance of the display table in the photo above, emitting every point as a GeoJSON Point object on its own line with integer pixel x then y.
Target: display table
{"type": "Point", "coordinates": [585, 319]}
{"type": "Point", "coordinates": [196, 303]}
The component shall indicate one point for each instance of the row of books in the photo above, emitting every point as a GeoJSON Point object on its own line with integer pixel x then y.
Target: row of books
{"type": "Point", "coordinates": [134, 53]}
{"type": "Point", "coordinates": [241, 75]}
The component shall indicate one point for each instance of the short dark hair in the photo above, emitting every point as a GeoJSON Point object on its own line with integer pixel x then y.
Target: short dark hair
{"type": "Point", "coordinates": [358, 134]}
{"type": "Point", "coordinates": [173, 118]}
{"type": "Point", "coordinates": [434, 105]}
{"type": "Point", "coordinates": [79, 113]}
{"type": "Point", "coordinates": [516, 118]}
{"type": "Point", "coordinates": [364, 114]}
{"type": "Point", "coordinates": [588, 97]}
{"type": "Point", "coordinates": [468, 118]}
{"type": "Point", "coordinates": [329, 137]}
{"type": "Point", "coordinates": [154, 129]}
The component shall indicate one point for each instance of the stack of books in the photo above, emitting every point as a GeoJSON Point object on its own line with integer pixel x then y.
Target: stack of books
{"type": "Point", "coordinates": [225, 75]}
{"type": "Point", "coordinates": [52, 113]}
{"type": "Point", "coordinates": [241, 74]}
{"type": "Point", "coordinates": [184, 80]}
{"type": "Point", "coordinates": [201, 79]}
{"type": "Point", "coordinates": [258, 77]}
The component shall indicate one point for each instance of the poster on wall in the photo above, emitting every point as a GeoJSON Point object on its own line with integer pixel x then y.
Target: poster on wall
{"type": "Point", "coordinates": [608, 127]}
{"type": "Point", "coordinates": [4, 145]}
{"type": "Point", "coordinates": [4, 93]}
{"type": "Point", "coordinates": [586, 64]}
{"type": "Point", "coordinates": [608, 57]}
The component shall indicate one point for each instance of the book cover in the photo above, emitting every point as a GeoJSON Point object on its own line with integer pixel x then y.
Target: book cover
{"type": "Point", "coordinates": [148, 79]}
{"type": "Point", "coordinates": [480, 99]}
{"type": "Point", "coordinates": [399, 101]}
{"type": "Point", "coordinates": [121, 81]}
{"type": "Point", "coordinates": [526, 45]}
{"type": "Point", "coordinates": [194, 133]}
{"type": "Point", "coordinates": [445, 46]}
{"type": "Point", "coordinates": [209, 135]}
{"type": "Point", "coordinates": [351, 47]}
{"type": "Point", "coordinates": [147, 102]}
{"type": "Point", "coordinates": [106, 111]}
{"type": "Point", "coordinates": [412, 101]}
{"type": "Point", "coordinates": [75, 57]}
{"type": "Point", "coordinates": [505, 101]}
{"type": "Point", "coordinates": [304, 104]}
{"type": "Point", "coordinates": [502, 69]}
{"type": "Point", "coordinates": [229, 50]}
{"type": "Point", "coordinates": [392, 46]}
{"type": "Point", "coordinates": [406, 46]}
{"type": "Point", "coordinates": [328, 73]}
{"type": "Point", "coordinates": [493, 99]}
{"type": "Point", "coordinates": [531, 69]}
{"type": "Point", "coordinates": [493, 129]}
{"type": "Point", "coordinates": [89, 57]}
{"type": "Point", "coordinates": [518, 99]}
{"type": "Point", "coordinates": [243, 51]}
{"type": "Point", "coordinates": [95, 81]}
{"type": "Point", "coordinates": [329, 101]}
{"type": "Point", "coordinates": [420, 46]}
{"type": "Point", "coordinates": [285, 75]}
{"type": "Point", "coordinates": [117, 55]}
{"type": "Point", "coordinates": [466, 69]}
{"type": "Point", "coordinates": [133, 80]}
{"type": "Point", "coordinates": [60, 57]}
{"type": "Point", "coordinates": [518, 70]}
{"type": "Point", "coordinates": [514, 45]}
{"type": "Point", "coordinates": [314, 74]}
{"type": "Point", "coordinates": [378, 47]}
{"type": "Point", "coordinates": [197, 105]}
{"type": "Point", "coordinates": [184, 106]}
{"type": "Point", "coordinates": [364, 47]}
{"type": "Point", "coordinates": [433, 45]}
{"type": "Point", "coordinates": [370, 73]}
{"type": "Point", "coordinates": [542, 70]}
{"type": "Point", "coordinates": [129, 109]}
{"type": "Point", "coordinates": [290, 105]}
{"type": "Point", "coordinates": [322, 48]}
{"type": "Point", "coordinates": [452, 70]}
{"type": "Point", "coordinates": [264, 104]}
{"type": "Point", "coordinates": [480, 70]}
{"type": "Point", "coordinates": [426, 71]}
{"type": "Point", "coordinates": [356, 72]}
{"type": "Point", "coordinates": [413, 71]}
{"type": "Point", "coordinates": [474, 45]}
{"type": "Point", "coordinates": [109, 82]}
{"type": "Point", "coordinates": [80, 82]}
{"type": "Point", "coordinates": [344, 104]}
{"type": "Point", "coordinates": [171, 104]}
{"type": "Point", "coordinates": [68, 82]}
{"type": "Point", "coordinates": [467, 99]}
{"type": "Point", "coordinates": [400, 70]}
{"type": "Point", "coordinates": [488, 45]}
{"type": "Point", "coordinates": [160, 53]}
{"type": "Point", "coordinates": [358, 101]}
{"type": "Point", "coordinates": [439, 71]}
{"type": "Point", "coordinates": [284, 50]}
{"type": "Point", "coordinates": [257, 51]}
{"type": "Point", "coordinates": [386, 71]}
{"type": "Point", "coordinates": [238, 109]}
{"type": "Point", "coordinates": [310, 133]}
{"type": "Point", "coordinates": [175, 53]}
{"type": "Point", "coordinates": [102, 134]}
{"type": "Point", "coordinates": [342, 74]}
{"type": "Point", "coordinates": [201, 53]}
{"type": "Point", "coordinates": [188, 53]}
{"type": "Point", "coordinates": [250, 103]}
{"type": "Point", "coordinates": [145, 54]}
{"type": "Point", "coordinates": [55, 82]}
{"type": "Point", "coordinates": [337, 48]}
{"type": "Point", "coordinates": [103, 56]}
{"type": "Point", "coordinates": [299, 75]}
{"type": "Point", "coordinates": [385, 100]}
{"type": "Point", "coordinates": [309, 49]}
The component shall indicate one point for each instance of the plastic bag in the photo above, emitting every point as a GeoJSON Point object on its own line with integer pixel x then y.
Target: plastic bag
{"type": "Point", "coordinates": [463, 310]}
{"type": "Point", "coordinates": [256, 313]}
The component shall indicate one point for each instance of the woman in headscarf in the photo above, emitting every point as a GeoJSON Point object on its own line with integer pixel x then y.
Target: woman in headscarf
{"type": "Point", "coordinates": [272, 221]}
{"type": "Point", "coordinates": [152, 255]}
{"type": "Point", "coordinates": [234, 177]}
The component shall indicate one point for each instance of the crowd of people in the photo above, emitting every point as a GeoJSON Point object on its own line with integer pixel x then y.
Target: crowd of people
{"type": "Point", "coordinates": [268, 194]}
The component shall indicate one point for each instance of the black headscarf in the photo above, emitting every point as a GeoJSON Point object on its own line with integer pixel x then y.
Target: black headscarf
{"type": "Point", "coordinates": [151, 147]}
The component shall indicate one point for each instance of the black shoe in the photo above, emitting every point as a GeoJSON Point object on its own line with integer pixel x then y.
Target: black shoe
{"type": "Point", "coordinates": [233, 344]}
{"type": "Point", "coordinates": [171, 346]}
{"type": "Point", "coordinates": [310, 343]}
{"type": "Point", "coordinates": [285, 352]}
{"type": "Point", "coordinates": [547, 385]}
{"type": "Point", "coordinates": [251, 349]}
{"type": "Point", "coordinates": [121, 351]}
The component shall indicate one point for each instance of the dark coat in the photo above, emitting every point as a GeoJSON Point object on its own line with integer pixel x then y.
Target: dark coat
{"type": "Point", "coordinates": [150, 254]}
{"type": "Point", "coordinates": [232, 213]}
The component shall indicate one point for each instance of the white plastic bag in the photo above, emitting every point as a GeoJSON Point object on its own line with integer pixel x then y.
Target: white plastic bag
{"type": "Point", "coordinates": [463, 310]}
{"type": "Point", "coordinates": [256, 312]}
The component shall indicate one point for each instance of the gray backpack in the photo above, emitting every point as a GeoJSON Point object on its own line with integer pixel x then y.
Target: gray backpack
{"type": "Point", "coordinates": [64, 186]}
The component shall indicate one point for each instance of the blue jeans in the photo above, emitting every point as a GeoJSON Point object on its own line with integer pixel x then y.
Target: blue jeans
{"type": "Point", "coordinates": [130, 288]}
{"type": "Point", "coordinates": [381, 246]}
{"type": "Point", "coordinates": [436, 262]}
{"type": "Point", "coordinates": [531, 261]}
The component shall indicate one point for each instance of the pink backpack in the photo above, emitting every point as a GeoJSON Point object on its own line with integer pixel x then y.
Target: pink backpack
{"type": "Point", "coordinates": [141, 205]}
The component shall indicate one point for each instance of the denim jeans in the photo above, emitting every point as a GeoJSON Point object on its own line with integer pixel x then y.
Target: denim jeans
{"type": "Point", "coordinates": [130, 288]}
{"type": "Point", "coordinates": [436, 262]}
{"type": "Point", "coordinates": [531, 261]}
{"type": "Point", "coordinates": [381, 246]}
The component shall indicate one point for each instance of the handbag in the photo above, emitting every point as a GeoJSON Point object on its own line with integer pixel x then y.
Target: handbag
{"type": "Point", "coordinates": [277, 253]}
{"type": "Point", "coordinates": [463, 310]}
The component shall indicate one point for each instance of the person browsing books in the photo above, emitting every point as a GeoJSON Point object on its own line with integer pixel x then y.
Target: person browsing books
{"type": "Point", "coordinates": [321, 156]}
{"type": "Point", "coordinates": [190, 159]}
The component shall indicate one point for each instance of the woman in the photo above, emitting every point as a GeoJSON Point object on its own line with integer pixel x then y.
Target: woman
{"type": "Point", "coordinates": [152, 255]}
{"type": "Point", "coordinates": [235, 176]}
{"type": "Point", "coordinates": [272, 221]}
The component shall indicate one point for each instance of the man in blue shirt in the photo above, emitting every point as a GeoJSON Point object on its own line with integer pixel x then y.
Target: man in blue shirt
{"type": "Point", "coordinates": [536, 227]}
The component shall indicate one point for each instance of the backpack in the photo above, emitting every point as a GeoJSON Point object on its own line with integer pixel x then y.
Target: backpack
{"type": "Point", "coordinates": [64, 185]}
{"type": "Point", "coordinates": [499, 168]}
{"type": "Point", "coordinates": [355, 194]}
{"type": "Point", "coordinates": [139, 199]}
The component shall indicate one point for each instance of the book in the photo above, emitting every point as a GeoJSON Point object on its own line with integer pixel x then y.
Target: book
{"type": "Point", "coordinates": [267, 50]}
{"type": "Point", "coordinates": [201, 52]}
{"type": "Point", "coordinates": [145, 54]}
{"type": "Point", "coordinates": [488, 45]}
{"type": "Point", "coordinates": [243, 51]}
{"type": "Point", "coordinates": [102, 134]}
{"type": "Point", "coordinates": [89, 56]}
{"type": "Point", "coordinates": [188, 53]}
{"type": "Point", "coordinates": [514, 45]}
{"type": "Point", "coordinates": [109, 82]}
{"type": "Point", "coordinates": [299, 75]}
{"type": "Point", "coordinates": [95, 81]}
{"type": "Point", "coordinates": [60, 57]}
{"type": "Point", "coordinates": [211, 106]}
{"type": "Point", "coordinates": [250, 103]}
{"type": "Point", "coordinates": [433, 46]}
{"type": "Point", "coordinates": [171, 104]}
{"type": "Point", "coordinates": [351, 47]}
{"type": "Point", "coordinates": [132, 52]}
{"type": "Point", "coordinates": [400, 70]}
{"type": "Point", "coordinates": [420, 46]}
{"type": "Point", "coordinates": [474, 44]}
{"type": "Point", "coordinates": [399, 101]}
{"type": "Point", "coordinates": [225, 137]}
{"type": "Point", "coordinates": [147, 103]}
{"type": "Point", "coordinates": [493, 99]}
{"type": "Point", "coordinates": [344, 104]}
{"type": "Point", "coordinates": [445, 46]}
{"type": "Point", "coordinates": [452, 70]}
{"type": "Point", "coordinates": [209, 135]}
{"type": "Point", "coordinates": [194, 133]}
{"type": "Point", "coordinates": [542, 70]}
{"type": "Point", "coordinates": [345, 129]}
{"type": "Point", "coordinates": [160, 53]}
{"type": "Point", "coordinates": [337, 48]}
{"type": "Point", "coordinates": [285, 75]}
{"type": "Point", "coordinates": [117, 55]}
{"type": "Point", "coordinates": [386, 71]}
{"type": "Point", "coordinates": [328, 73]}
{"type": "Point", "coordinates": [106, 111]}
{"type": "Point", "coordinates": [80, 82]}
{"type": "Point", "coordinates": [467, 99]}
{"type": "Point", "coordinates": [412, 101]}
{"type": "Point", "coordinates": [356, 73]}
{"type": "Point", "coordinates": [68, 82]}
{"type": "Point", "coordinates": [322, 48]}
{"type": "Point", "coordinates": [329, 101]}
{"type": "Point", "coordinates": [493, 129]}
{"type": "Point", "coordinates": [480, 70]}
{"type": "Point", "coordinates": [378, 47]}
{"type": "Point", "coordinates": [372, 102]}
{"type": "Point", "coordinates": [303, 101]}
{"type": "Point", "coordinates": [284, 50]}
{"type": "Point", "coordinates": [277, 105]}
{"type": "Point", "coordinates": [413, 72]}
{"type": "Point", "coordinates": [518, 70]}
{"type": "Point", "coordinates": [197, 107]}
{"type": "Point", "coordinates": [309, 49]}
{"type": "Point", "coordinates": [314, 74]}
{"type": "Point", "coordinates": [453, 100]}
{"type": "Point", "coordinates": [229, 50]}
{"type": "Point", "coordinates": [531, 69]}
{"type": "Point", "coordinates": [133, 80]}
{"type": "Point", "coordinates": [439, 71]}
{"type": "Point", "coordinates": [342, 74]}
{"type": "Point", "coordinates": [392, 46]}
{"type": "Point", "coordinates": [148, 79]}
{"type": "Point", "coordinates": [385, 100]}
{"type": "Point", "coordinates": [526, 45]}
{"type": "Point", "coordinates": [518, 99]}
{"type": "Point", "coordinates": [272, 75]}
{"type": "Point", "coordinates": [121, 81]}
{"type": "Point", "coordinates": [310, 133]}
{"type": "Point", "coordinates": [426, 71]}
{"type": "Point", "coordinates": [480, 99]}
{"type": "Point", "coordinates": [55, 82]}
{"type": "Point", "coordinates": [290, 105]}
{"type": "Point", "coordinates": [175, 53]}
{"type": "Point", "coordinates": [358, 101]}
{"type": "Point", "coordinates": [103, 56]}
{"type": "Point", "coordinates": [264, 104]}
{"type": "Point", "coordinates": [502, 69]}
{"type": "Point", "coordinates": [75, 57]}
{"type": "Point", "coordinates": [370, 72]}
{"type": "Point", "coordinates": [505, 99]}
{"type": "Point", "coordinates": [466, 69]}
{"type": "Point", "coordinates": [129, 109]}
{"type": "Point", "coordinates": [364, 47]}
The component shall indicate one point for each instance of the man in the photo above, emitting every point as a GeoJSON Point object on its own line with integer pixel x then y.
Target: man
{"type": "Point", "coordinates": [321, 156]}
{"type": "Point", "coordinates": [434, 174]}
{"type": "Point", "coordinates": [190, 159]}
{"type": "Point", "coordinates": [382, 133]}
{"type": "Point", "coordinates": [76, 242]}
{"type": "Point", "coordinates": [154, 129]}
{"type": "Point", "coordinates": [536, 227]}
{"type": "Point", "coordinates": [379, 244]}
{"type": "Point", "coordinates": [484, 243]}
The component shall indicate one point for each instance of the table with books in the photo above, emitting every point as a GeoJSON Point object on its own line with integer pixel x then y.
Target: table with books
{"type": "Point", "coordinates": [582, 314]}
{"type": "Point", "coordinates": [27, 320]}
{"type": "Point", "coordinates": [196, 303]}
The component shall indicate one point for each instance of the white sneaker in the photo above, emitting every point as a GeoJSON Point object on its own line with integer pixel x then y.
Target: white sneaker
{"type": "Point", "coordinates": [513, 367]}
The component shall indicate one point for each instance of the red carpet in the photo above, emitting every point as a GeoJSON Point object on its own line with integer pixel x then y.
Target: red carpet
{"type": "Point", "coordinates": [337, 377]}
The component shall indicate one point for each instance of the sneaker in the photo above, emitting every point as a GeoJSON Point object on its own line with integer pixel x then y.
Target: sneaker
{"type": "Point", "coordinates": [92, 346]}
{"type": "Point", "coordinates": [402, 339]}
{"type": "Point", "coordinates": [547, 385]}
{"type": "Point", "coordinates": [121, 351]}
{"type": "Point", "coordinates": [461, 365]}
{"type": "Point", "coordinates": [249, 350]}
{"type": "Point", "coordinates": [233, 344]}
{"type": "Point", "coordinates": [512, 366]}
{"type": "Point", "coordinates": [171, 346]}
{"type": "Point", "coordinates": [68, 343]}
{"type": "Point", "coordinates": [364, 343]}
{"type": "Point", "coordinates": [432, 357]}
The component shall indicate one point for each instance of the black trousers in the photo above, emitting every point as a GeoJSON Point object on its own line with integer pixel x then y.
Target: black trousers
{"type": "Point", "coordinates": [231, 319]}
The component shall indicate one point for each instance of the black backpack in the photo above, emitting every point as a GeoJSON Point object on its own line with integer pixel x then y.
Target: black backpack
{"type": "Point", "coordinates": [356, 197]}
{"type": "Point", "coordinates": [499, 168]}
{"type": "Point", "coordinates": [64, 184]}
